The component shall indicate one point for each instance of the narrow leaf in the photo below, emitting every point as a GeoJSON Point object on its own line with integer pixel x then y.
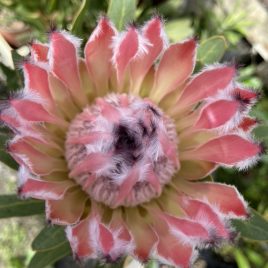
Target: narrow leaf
{"type": "Point", "coordinates": [49, 238]}
{"type": "Point", "coordinates": [241, 259]}
{"type": "Point", "coordinates": [79, 16]}
{"type": "Point", "coordinates": [42, 259]}
{"type": "Point", "coordinates": [256, 228]}
{"type": "Point", "coordinates": [121, 12]}
{"type": "Point", "coordinates": [211, 50]}
{"type": "Point", "coordinates": [11, 206]}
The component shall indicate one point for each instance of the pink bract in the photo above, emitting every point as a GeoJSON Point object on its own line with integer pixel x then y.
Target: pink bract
{"type": "Point", "coordinates": [117, 142]}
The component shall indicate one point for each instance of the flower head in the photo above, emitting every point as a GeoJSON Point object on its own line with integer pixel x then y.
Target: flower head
{"type": "Point", "coordinates": [116, 142]}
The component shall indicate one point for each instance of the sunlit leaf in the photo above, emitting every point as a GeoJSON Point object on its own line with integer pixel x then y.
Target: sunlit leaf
{"type": "Point", "coordinates": [5, 53]}
{"type": "Point", "coordinates": [256, 228]}
{"type": "Point", "coordinates": [121, 12]}
{"type": "Point", "coordinates": [179, 29]}
{"type": "Point", "coordinates": [152, 264]}
{"type": "Point", "coordinates": [211, 50]}
{"type": "Point", "coordinates": [49, 238]}
{"type": "Point", "coordinates": [11, 206]}
{"type": "Point", "coordinates": [241, 259]}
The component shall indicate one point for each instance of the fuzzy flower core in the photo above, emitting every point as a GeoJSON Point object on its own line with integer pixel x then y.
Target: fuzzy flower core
{"type": "Point", "coordinates": [122, 150]}
{"type": "Point", "coordinates": [117, 143]}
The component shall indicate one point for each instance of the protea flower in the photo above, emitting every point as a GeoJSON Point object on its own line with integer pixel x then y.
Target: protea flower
{"type": "Point", "coordinates": [116, 143]}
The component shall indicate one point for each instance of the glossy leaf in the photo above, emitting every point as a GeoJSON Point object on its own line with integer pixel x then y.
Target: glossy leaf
{"type": "Point", "coordinates": [256, 228]}
{"type": "Point", "coordinates": [11, 206]}
{"type": "Point", "coordinates": [121, 12]}
{"type": "Point", "coordinates": [49, 238]}
{"type": "Point", "coordinates": [211, 50]}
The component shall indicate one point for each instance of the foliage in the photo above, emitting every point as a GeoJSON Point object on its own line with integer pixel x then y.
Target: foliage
{"type": "Point", "coordinates": [219, 32]}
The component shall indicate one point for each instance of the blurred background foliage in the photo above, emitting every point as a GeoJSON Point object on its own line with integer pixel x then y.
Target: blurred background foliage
{"type": "Point", "coordinates": [228, 31]}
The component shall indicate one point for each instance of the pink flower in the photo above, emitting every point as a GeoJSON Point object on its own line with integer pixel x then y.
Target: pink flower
{"type": "Point", "coordinates": [116, 143]}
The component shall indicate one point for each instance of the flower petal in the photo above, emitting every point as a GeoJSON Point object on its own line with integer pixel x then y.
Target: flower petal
{"type": "Point", "coordinates": [98, 54]}
{"type": "Point", "coordinates": [245, 95]}
{"type": "Point", "coordinates": [206, 84]}
{"type": "Point", "coordinates": [62, 97]}
{"type": "Point", "coordinates": [87, 81]}
{"type": "Point", "coordinates": [189, 229]}
{"type": "Point", "coordinates": [216, 114]}
{"type": "Point", "coordinates": [36, 80]}
{"type": "Point", "coordinates": [194, 138]}
{"type": "Point", "coordinates": [39, 163]}
{"type": "Point", "coordinates": [170, 249]}
{"type": "Point", "coordinates": [248, 123]}
{"type": "Point", "coordinates": [79, 238]}
{"type": "Point", "coordinates": [45, 190]}
{"type": "Point", "coordinates": [174, 68]}
{"type": "Point", "coordinates": [63, 60]}
{"type": "Point", "coordinates": [9, 116]}
{"type": "Point", "coordinates": [74, 200]}
{"type": "Point", "coordinates": [225, 197]}
{"type": "Point", "coordinates": [178, 254]}
{"type": "Point", "coordinates": [127, 185]}
{"type": "Point", "coordinates": [224, 150]}
{"type": "Point", "coordinates": [91, 163]}
{"type": "Point", "coordinates": [153, 32]}
{"type": "Point", "coordinates": [106, 240]}
{"type": "Point", "coordinates": [39, 52]}
{"type": "Point", "coordinates": [139, 229]}
{"type": "Point", "coordinates": [35, 112]}
{"type": "Point", "coordinates": [125, 49]}
{"type": "Point", "coordinates": [205, 215]}
{"type": "Point", "coordinates": [195, 169]}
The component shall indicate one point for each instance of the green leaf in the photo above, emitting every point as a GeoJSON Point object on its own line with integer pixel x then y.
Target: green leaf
{"type": "Point", "coordinates": [255, 257]}
{"type": "Point", "coordinates": [178, 29]}
{"type": "Point", "coordinates": [42, 259]}
{"type": "Point", "coordinates": [51, 245]}
{"type": "Point", "coordinates": [261, 132]}
{"type": "Point", "coordinates": [4, 156]}
{"type": "Point", "coordinates": [11, 206]}
{"type": "Point", "coordinates": [152, 264]}
{"type": "Point", "coordinates": [121, 12]}
{"type": "Point", "coordinates": [211, 50]}
{"type": "Point", "coordinates": [256, 228]}
{"type": "Point", "coordinates": [79, 17]}
{"type": "Point", "coordinates": [49, 238]}
{"type": "Point", "coordinates": [241, 259]}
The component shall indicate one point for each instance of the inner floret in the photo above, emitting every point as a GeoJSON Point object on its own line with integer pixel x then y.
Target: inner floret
{"type": "Point", "coordinates": [122, 150]}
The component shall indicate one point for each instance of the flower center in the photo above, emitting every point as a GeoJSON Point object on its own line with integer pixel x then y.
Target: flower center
{"type": "Point", "coordinates": [122, 150]}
